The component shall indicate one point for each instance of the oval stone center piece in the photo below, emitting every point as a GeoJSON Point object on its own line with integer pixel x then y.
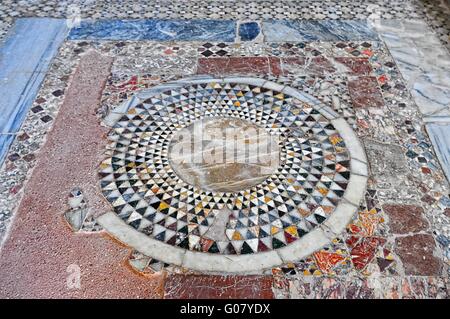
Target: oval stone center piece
{"type": "Point", "coordinates": [224, 154]}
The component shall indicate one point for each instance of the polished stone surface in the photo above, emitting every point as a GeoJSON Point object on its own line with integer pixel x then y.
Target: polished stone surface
{"type": "Point", "coordinates": [224, 154]}
{"type": "Point", "coordinates": [424, 63]}
{"type": "Point", "coordinates": [25, 57]}
{"type": "Point", "coordinates": [329, 30]}
{"type": "Point", "coordinates": [440, 137]}
{"type": "Point", "coordinates": [160, 30]}
{"type": "Point", "coordinates": [248, 31]}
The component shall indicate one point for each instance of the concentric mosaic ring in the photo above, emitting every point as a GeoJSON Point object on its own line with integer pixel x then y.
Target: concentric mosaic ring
{"type": "Point", "coordinates": [295, 210]}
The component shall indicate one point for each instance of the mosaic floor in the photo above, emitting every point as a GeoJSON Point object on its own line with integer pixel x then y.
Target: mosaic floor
{"type": "Point", "coordinates": [224, 208]}
{"type": "Point", "coordinates": [349, 199]}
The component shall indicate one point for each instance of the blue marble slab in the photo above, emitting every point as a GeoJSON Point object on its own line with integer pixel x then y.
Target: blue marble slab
{"type": "Point", "coordinates": [318, 30]}
{"type": "Point", "coordinates": [440, 137]}
{"type": "Point", "coordinates": [248, 31]}
{"type": "Point", "coordinates": [5, 141]}
{"type": "Point", "coordinates": [158, 30]}
{"type": "Point", "coordinates": [24, 60]}
{"type": "Point", "coordinates": [423, 62]}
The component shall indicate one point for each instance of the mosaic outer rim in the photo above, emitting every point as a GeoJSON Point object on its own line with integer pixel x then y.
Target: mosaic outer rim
{"type": "Point", "coordinates": [248, 263]}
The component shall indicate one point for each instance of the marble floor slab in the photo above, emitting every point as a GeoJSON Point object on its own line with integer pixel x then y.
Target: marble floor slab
{"type": "Point", "coordinates": [330, 30]}
{"type": "Point", "coordinates": [440, 137]}
{"type": "Point", "coordinates": [25, 57]}
{"type": "Point", "coordinates": [424, 63]}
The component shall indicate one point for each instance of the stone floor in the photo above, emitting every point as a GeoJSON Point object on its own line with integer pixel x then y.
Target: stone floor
{"type": "Point", "coordinates": [350, 101]}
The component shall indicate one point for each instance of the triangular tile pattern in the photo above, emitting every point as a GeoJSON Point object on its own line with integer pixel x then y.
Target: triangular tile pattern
{"type": "Point", "coordinates": [138, 181]}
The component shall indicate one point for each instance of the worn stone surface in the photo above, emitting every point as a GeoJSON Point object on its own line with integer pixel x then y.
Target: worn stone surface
{"type": "Point", "coordinates": [364, 91]}
{"type": "Point", "coordinates": [242, 66]}
{"type": "Point", "coordinates": [41, 253]}
{"type": "Point", "coordinates": [417, 255]}
{"type": "Point", "coordinates": [218, 287]}
{"type": "Point", "coordinates": [406, 170]}
{"type": "Point", "coordinates": [360, 66]}
{"type": "Point", "coordinates": [387, 163]}
{"type": "Point", "coordinates": [404, 219]}
{"type": "Point", "coordinates": [229, 154]}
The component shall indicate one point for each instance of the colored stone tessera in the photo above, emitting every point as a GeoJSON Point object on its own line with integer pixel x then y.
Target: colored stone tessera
{"type": "Point", "coordinates": [328, 125]}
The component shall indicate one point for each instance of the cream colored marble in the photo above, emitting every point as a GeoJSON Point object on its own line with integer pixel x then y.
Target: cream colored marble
{"type": "Point", "coordinates": [224, 154]}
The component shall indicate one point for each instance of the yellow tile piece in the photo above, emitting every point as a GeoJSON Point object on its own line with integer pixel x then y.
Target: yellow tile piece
{"type": "Point", "coordinates": [334, 139]}
{"type": "Point", "coordinates": [104, 165]}
{"type": "Point", "coordinates": [322, 190]}
{"type": "Point", "coordinates": [163, 205]}
{"type": "Point", "coordinates": [292, 230]}
{"type": "Point", "coordinates": [280, 96]}
{"type": "Point", "coordinates": [237, 236]}
{"type": "Point", "coordinates": [274, 230]}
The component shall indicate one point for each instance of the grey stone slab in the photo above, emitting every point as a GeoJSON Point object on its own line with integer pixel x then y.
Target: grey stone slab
{"type": "Point", "coordinates": [422, 60]}
{"type": "Point", "coordinates": [440, 137]}
{"type": "Point", "coordinates": [326, 30]}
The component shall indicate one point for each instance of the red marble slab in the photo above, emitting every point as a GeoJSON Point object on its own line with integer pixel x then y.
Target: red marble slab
{"type": "Point", "coordinates": [239, 65]}
{"type": "Point", "coordinates": [41, 254]}
{"type": "Point", "coordinates": [364, 92]}
{"type": "Point", "coordinates": [404, 219]}
{"type": "Point", "coordinates": [417, 253]}
{"type": "Point", "coordinates": [218, 287]}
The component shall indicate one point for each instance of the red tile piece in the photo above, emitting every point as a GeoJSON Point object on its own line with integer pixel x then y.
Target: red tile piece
{"type": "Point", "coordinates": [291, 64]}
{"type": "Point", "coordinates": [358, 288]}
{"type": "Point", "coordinates": [364, 250]}
{"type": "Point", "coordinates": [447, 212]}
{"type": "Point", "coordinates": [320, 65]}
{"type": "Point", "coordinates": [327, 260]}
{"type": "Point", "coordinates": [218, 287]}
{"type": "Point", "coordinates": [364, 92]}
{"type": "Point", "coordinates": [239, 65]}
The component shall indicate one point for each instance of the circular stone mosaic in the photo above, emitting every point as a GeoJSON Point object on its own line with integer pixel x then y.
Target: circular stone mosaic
{"type": "Point", "coordinates": [232, 154]}
{"type": "Point", "coordinates": [223, 213]}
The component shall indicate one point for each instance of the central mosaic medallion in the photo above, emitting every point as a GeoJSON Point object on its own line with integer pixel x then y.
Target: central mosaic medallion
{"type": "Point", "coordinates": [172, 177]}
